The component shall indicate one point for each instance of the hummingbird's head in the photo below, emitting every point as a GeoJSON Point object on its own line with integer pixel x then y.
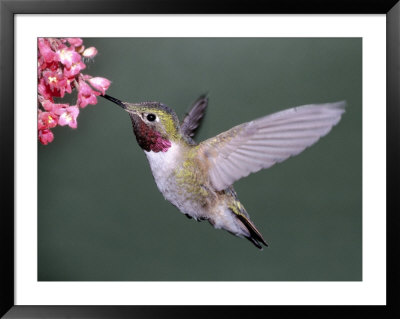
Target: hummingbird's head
{"type": "Point", "coordinates": [155, 125]}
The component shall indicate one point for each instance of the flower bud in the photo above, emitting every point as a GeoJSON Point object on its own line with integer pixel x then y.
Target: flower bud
{"type": "Point", "coordinates": [46, 136]}
{"type": "Point", "coordinates": [90, 52]}
{"type": "Point", "coordinates": [100, 84]}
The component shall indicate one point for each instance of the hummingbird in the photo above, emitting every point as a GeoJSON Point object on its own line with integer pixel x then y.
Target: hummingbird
{"type": "Point", "coordinates": [197, 178]}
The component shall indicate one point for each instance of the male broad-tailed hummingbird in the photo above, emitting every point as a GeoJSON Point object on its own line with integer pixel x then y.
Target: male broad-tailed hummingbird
{"type": "Point", "coordinates": [198, 178]}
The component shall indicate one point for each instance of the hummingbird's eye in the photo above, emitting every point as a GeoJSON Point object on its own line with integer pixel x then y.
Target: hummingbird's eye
{"type": "Point", "coordinates": [151, 117]}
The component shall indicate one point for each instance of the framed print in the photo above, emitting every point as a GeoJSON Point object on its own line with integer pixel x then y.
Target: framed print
{"type": "Point", "coordinates": [86, 231]}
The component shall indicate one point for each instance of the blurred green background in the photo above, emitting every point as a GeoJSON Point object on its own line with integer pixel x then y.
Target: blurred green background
{"type": "Point", "coordinates": [101, 216]}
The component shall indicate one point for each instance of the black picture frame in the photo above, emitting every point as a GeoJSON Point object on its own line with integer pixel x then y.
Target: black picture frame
{"type": "Point", "coordinates": [8, 10]}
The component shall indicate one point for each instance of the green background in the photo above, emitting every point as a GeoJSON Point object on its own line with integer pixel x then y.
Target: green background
{"type": "Point", "coordinates": [101, 216]}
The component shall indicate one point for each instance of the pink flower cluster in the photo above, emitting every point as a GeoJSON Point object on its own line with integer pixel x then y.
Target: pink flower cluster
{"type": "Point", "coordinates": [60, 62]}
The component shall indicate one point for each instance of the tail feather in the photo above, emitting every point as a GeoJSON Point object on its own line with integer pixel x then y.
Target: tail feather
{"type": "Point", "coordinates": [255, 236]}
{"type": "Point", "coordinates": [255, 242]}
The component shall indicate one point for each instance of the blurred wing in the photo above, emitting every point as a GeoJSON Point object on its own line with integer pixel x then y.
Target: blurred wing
{"type": "Point", "coordinates": [193, 118]}
{"type": "Point", "coordinates": [261, 143]}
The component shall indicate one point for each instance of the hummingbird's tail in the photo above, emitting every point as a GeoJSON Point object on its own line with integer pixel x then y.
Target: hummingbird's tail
{"type": "Point", "coordinates": [255, 236]}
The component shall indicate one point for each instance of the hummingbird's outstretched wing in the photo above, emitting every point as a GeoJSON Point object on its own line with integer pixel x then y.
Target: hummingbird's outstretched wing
{"type": "Point", "coordinates": [193, 118]}
{"type": "Point", "coordinates": [261, 143]}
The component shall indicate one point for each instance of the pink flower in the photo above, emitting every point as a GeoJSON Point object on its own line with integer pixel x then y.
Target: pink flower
{"type": "Point", "coordinates": [74, 70]}
{"type": "Point", "coordinates": [68, 87]}
{"type": "Point", "coordinates": [59, 66]}
{"type": "Point", "coordinates": [52, 107]}
{"type": "Point", "coordinates": [47, 120]}
{"type": "Point", "coordinates": [46, 136]}
{"type": "Point", "coordinates": [68, 116]}
{"type": "Point", "coordinates": [86, 95]}
{"type": "Point", "coordinates": [45, 50]}
{"type": "Point", "coordinates": [48, 105]}
{"type": "Point", "coordinates": [41, 65]}
{"type": "Point", "coordinates": [68, 56]}
{"type": "Point", "coordinates": [90, 52]}
{"type": "Point", "coordinates": [100, 84]}
{"type": "Point", "coordinates": [56, 81]}
{"type": "Point", "coordinates": [76, 42]}
{"type": "Point", "coordinates": [44, 90]}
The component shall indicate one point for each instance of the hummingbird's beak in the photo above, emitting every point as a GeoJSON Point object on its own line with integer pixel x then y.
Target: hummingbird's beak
{"type": "Point", "coordinates": [113, 99]}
